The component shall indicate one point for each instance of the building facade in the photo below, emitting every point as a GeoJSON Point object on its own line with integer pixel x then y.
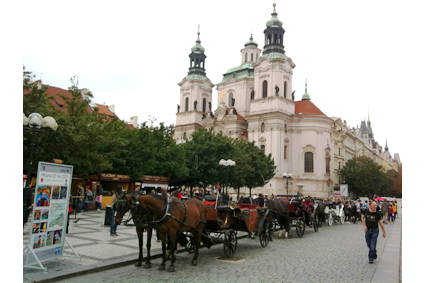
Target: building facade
{"type": "Point", "coordinates": [256, 102]}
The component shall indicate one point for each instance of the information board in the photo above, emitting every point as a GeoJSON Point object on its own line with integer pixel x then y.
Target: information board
{"type": "Point", "coordinates": [50, 212]}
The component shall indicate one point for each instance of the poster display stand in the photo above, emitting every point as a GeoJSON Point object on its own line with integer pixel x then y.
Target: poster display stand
{"type": "Point", "coordinates": [49, 219]}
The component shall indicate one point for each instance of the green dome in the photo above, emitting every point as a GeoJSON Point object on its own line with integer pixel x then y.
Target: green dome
{"type": "Point", "coordinates": [197, 48]}
{"type": "Point", "coordinates": [274, 21]}
{"type": "Point", "coordinates": [251, 42]}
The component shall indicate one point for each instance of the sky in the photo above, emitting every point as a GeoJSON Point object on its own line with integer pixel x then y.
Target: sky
{"type": "Point", "coordinates": [358, 56]}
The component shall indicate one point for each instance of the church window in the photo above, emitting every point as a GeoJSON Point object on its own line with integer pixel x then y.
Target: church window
{"type": "Point", "coordinates": [284, 88]}
{"type": "Point", "coordinates": [284, 151]}
{"type": "Point", "coordinates": [246, 57]}
{"type": "Point", "coordinates": [276, 39]}
{"type": "Point", "coordinates": [264, 89]}
{"type": "Point", "coordinates": [252, 57]}
{"type": "Point", "coordinates": [269, 39]}
{"type": "Point", "coordinates": [186, 104]}
{"type": "Point", "coordinates": [204, 105]}
{"type": "Point", "coordinates": [231, 100]}
{"type": "Point", "coordinates": [263, 147]}
{"type": "Point", "coordinates": [184, 135]}
{"type": "Point", "coordinates": [308, 162]}
{"type": "Point", "coordinates": [252, 95]}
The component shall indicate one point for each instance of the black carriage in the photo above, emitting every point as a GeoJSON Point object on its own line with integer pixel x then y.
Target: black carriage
{"type": "Point", "coordinates": [301, 213]}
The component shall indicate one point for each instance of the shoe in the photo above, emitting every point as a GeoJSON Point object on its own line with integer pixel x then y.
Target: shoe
{"type": "Point", "coordinates": [370, 261]}
{"type": "Point", "coordinates": [113, 235]}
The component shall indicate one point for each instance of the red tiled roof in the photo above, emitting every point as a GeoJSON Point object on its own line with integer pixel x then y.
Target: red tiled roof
{"type": "Point", "coordinates": [104, 109]}
{"type": "Point", "coordinates": [239, 117]}
{"type": "Point", "coordinates": [306, 107]}
{"type": "Point", "coordinates": [245, 134]}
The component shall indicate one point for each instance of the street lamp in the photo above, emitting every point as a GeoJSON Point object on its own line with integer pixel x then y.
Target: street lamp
{"type": "Point", "coordinates": [287, 176]}
{"type": "Point", "coordinates": [36, 123]}
{"type": "Point", "coordinates": [227, 163]}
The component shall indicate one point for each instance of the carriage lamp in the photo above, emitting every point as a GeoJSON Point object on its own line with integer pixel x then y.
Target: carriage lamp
{"type": "Point", "coordinates": [287, 176]}
{"type": "Point", "coordinates": [36, 123]}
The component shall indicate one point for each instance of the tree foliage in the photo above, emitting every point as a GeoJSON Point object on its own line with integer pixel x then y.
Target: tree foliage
{"type": "Point", "coordinates": [366, 178]}
{"type": "Point", "coordinates": [205, 149]}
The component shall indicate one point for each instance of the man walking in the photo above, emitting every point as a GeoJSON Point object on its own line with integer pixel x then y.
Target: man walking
{"type": "Point", "coordinates": [370, 220]}
{"type": "Point", "coordinates": [384, 209]}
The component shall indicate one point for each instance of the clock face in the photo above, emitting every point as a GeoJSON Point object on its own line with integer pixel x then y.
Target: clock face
{"type": "Point", "coordinates": [263, 127]}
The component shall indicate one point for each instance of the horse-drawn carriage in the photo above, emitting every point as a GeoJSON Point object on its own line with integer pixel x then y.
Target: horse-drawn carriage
{"type": "Point", "coordinates": [334, 212]}
{"type": "Point", "coordinates": [303, 212]}
{"type": "Point", "coordinates": [223, 223]}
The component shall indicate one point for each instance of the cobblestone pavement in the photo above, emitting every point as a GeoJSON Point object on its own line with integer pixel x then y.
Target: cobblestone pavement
{"type": "Point", "coordinates": [333, 254]}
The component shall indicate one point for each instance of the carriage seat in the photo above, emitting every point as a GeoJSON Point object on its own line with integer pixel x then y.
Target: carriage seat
{"type": "Point", "coordinates": [248, 205]}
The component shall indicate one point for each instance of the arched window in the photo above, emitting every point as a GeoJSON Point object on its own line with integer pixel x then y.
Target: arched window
{"type": "Point", "coordinates": [264, 89]}
{"type": "Point", "coordinates": [284, 152]}
{"type": "Point", "coordinates": [204, 105]}
{"type": "Point", "coordinates": [284, 89]}
{"type": "Point", "coordinates": [276, 39]}
{"type": "Point", "coordinates": [252, 95]}
{"type": "Point", "coordinates": [184, 135]}
{"type": "Point", "coordinates": [281, 39]}
{"type": "Point", "coordinates": [231, 100]}
{"type": "Point", "coordinates": [269, 39]}
{"type": "Point", "coordinates": [263, 147]}
{"type": "Point", "coordinates": [186, 104]}
{"type": "Point", "coordinates": [246, 57]}
{"type": "Point", "coordinates": [252, 57]}
{"type": "Point", "coordinates": [308, 162]}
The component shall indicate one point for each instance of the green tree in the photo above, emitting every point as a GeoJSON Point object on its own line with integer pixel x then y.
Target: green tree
{"type": "Point", "coordinates": [363, 176]}
{"type": "Point", "coordinates": [203, 152]}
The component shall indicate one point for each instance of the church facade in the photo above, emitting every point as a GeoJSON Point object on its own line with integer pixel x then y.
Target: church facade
{"type": "Point", "coordinates": [256, 102]}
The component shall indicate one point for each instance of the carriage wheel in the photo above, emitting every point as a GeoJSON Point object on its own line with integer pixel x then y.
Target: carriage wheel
{"type": "Point", "coordinates": [300, 226]}
{"type": "Point", "coordinates": [316, 222]}
{"type": "Point", "coordinates": [190, 246]}
{"type": "Point", "coordinates": [230, 243]}
{"type": "Point", "coordinates": [341, 220]}
{"type": "Point", "coordinates": [265, 236]}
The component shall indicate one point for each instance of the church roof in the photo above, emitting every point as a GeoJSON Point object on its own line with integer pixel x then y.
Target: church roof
{"type": "Point", "coordinates": [306, 107]}
{"type": "Point", "coordinates": [239, 72]}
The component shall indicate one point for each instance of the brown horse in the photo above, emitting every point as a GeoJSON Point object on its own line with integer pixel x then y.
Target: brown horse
{"type": "Point", "coordinates": [279, 210]}
{"type": "Point", "coordinates": [141, 219]}
{"type": "Point", "coordinates": [173, 217]}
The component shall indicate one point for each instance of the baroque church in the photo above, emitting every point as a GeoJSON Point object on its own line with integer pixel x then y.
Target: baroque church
{"type": "Point", "coordinates": [256, 102]}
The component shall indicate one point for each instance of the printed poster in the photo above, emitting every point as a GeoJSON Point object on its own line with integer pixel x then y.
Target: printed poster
{"type": "Point", "coordinates": [50, 214]}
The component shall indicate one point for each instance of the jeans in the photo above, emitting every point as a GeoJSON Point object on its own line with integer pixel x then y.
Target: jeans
{"type": "Point", "coordinates": [371, 241]}
{"type": "Point", "coordinates": [99, 205]}
{"type": "Point", "coordinates": [86, 206]}
{"type": "Point", "coordinates": [113, 225]}
{"type": "Point", "coordinates": [78, 205]}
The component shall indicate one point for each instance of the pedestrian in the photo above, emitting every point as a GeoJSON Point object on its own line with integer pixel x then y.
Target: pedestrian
{"type": "Point", "coordinates": [69, 213]}
{"type": "Point", "coordinates": [365, 206]}
{"type": "Point", "coordinates": [179, 194]}
{"type": "Point", "coordinates": [370, 219]}
{"type": "Point", "coordinates": [27, 203]}
{"type": "Point", "coordinates": [392, 213]}
{"type": "Point", "coordinates": [79, 202]}
{"type": "Point", "coordinates": [226, 199]}
{"type": "Point", "coordinates": [358, 209]}
{"type": "Point", "coordinates": [98, 198]}
{"type": "Point", "coordinates": [384, 210]}
{"type": "Point", "coordinates": [87, 200]}
{"type": "Point", "coordinates": [114, 198]}
{"type": "Point", "coordinates": [395, 209]}
{"type": "Point", "coordinates": [347, 208]}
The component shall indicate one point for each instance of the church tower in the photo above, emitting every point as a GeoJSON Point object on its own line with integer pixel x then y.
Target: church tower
{"type": "Point", "coordinates": [195, 95]}
{"type": "Point", "coordinates": [273, 104]}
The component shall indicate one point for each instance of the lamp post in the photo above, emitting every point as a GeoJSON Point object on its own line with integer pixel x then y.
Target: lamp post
{"type": "Point", "coordinates": [287, 176]}
{"type": "Point", "coordinates": [36, 123]}
{"type": "Point", "coordinates": [227, 163]}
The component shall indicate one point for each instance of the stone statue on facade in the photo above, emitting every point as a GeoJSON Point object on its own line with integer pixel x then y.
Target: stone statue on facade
{"type": "Point", "coordinates": [195, 104]}
{"type": "Point", "coordinates": [277, 90]}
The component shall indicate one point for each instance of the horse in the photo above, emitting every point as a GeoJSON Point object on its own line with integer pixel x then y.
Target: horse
{"type": "Point", "coordinates": [279, 210]}
{"type": "Point", "coordinates": [173, 217]}
{"type": "Point", "coordinates": [141, 219]}
{"type": "Point", "coordinates": [317, 207]}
